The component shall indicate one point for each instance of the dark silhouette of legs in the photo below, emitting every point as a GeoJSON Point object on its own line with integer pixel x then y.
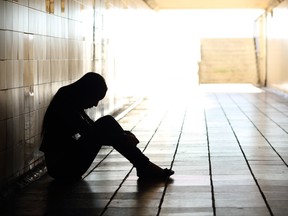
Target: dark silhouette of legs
{"type": "Point", "coordinates": [105, 131]}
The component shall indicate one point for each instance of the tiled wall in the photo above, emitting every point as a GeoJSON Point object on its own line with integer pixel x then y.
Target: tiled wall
{"type": "Point", "coordinates": [45, 44]}
{"type": "Point", "coordinates": [260, 47]}
{"type": "Point", "coordinates": [272, 40]}
{"type": "Point", "coordinates": [277, 48]}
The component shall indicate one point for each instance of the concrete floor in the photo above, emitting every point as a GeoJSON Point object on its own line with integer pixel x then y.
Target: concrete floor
{"type": "Point", "coordinates": [229, 151]}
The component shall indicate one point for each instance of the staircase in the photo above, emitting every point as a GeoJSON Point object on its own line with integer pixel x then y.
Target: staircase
{"type": "Point", "coordinates": [228, 60]}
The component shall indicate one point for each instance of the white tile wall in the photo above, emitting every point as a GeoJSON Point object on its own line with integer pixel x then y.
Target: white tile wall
{"type": "Point", "coordinates": [39, 53]}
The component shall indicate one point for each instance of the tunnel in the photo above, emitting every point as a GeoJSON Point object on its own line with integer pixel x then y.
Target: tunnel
{"type": "Point", "coordinates": [202, 84]}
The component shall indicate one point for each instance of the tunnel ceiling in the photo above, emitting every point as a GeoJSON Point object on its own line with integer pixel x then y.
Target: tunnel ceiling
{"type": "Point", "coordinates": [211, 4]}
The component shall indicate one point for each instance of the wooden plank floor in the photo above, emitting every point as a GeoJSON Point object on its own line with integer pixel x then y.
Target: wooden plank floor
{"type": "Point", "coordinates": [229, 152]}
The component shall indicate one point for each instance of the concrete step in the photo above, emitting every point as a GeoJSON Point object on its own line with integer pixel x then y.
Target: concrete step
{"type": "Point", "coordinates": [228, 60]}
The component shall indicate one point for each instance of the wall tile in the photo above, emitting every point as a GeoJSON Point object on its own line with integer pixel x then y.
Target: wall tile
{"type": "Point", "coordinates": [30, 125]}
{"type": "Point", "coordinates": [45, 94]}
{"type": "Point", "coordinates": [40, 117]}
{"type": "Point", "coordinates": [3, 107]}
{"type": "Point", "coordinates": [33, 4]}
{"type": "Point", "coordinates": [23, 2]}
{"type": "Point", "coordinates": [10, 73]}
{"type": "Point", "coordinates": [8, 15]}
{"type": "Point", "coordinates": [29, 99]}
{"type": "Point", "coordinates": [15, 131]}
{"type": "Point", "coordinates": [14, 73]}
{"type": "Point", "coordinates": [26, 71]}
{"type": "Point", "coordinates": [43, 71]}
{"type": "Point", "coordinates": [32, 20]}
{"type": "Point", "coordinates": [3, 167]}
{"type": "Point", "coordinates": [42, 23]}
{"type": "Point", "coordinates": [9, 77]}
{"type": "Point", "coordinates": [21, 41]}
{"type": "Point", "coordinates": [2, 45]}
{"type": "Point", "coordinates": [55, 70]}
{"type": "Point", "coordinates": [64, 69]}
{"type": "Point", "coordinates": [8, 44]}
{"type": "Point", "coordinates": [30, 73]}
{"type": "Point", "coordinates": [38, 47]}
{"type": "Point", "coordinates": [38, 127]}
{"type": "Point", "coordinates": [8, 172]}
{"type": "Point", "coordinates": [44, 47]}
{"type": "Point", "coordinates": [31, 46]}
{"type": "Point", "coordinates": [21, 68]}
{"type": "Point", "coordinates": [18, 159]}
{"type": "Point", "coordinates": [30, 147]}
{"type": "Point", "coordinates": [48, 24]}
{"type": "Point", "coordinates": [3, 84]}
{"type": "Point", "coordinates": [15, 17]}
{"type": "Point", "coordinates": [15, 45]}
{"type": "Point", "coordinates": [26, 46]}
{"type": "Point", "coordinates": [52, 48]}
{"type": "Point", "coordinates": [277, 48]}
{"type": "Point", "coordinates": [3, 142]}
{"type": "Point", "coordinates": [64, 28]}
{"type": "Point", "coordinates": [23, 19]}
{"type": "Point", "coordinates": [15, 102]}
{"type": "Point", "coordinates": [2, 15]}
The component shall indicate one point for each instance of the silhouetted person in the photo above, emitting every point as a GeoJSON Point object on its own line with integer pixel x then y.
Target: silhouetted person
{"type": "Point", "coordinates": [71, 140]}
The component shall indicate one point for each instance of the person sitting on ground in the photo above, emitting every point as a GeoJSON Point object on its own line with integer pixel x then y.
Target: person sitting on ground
{"type": "Point", "coordinates": [71, 140]}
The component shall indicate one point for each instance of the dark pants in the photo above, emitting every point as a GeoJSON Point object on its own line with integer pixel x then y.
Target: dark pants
{"type": "Point", "coordinates": [76, 161]}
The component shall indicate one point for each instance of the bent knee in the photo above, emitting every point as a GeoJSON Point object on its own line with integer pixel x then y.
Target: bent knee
{"type": "Point", "coordinates": [107, 118]}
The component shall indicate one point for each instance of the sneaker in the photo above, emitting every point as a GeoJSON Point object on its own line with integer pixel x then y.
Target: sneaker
{"type": "Point", "coordinates": [152, 171]}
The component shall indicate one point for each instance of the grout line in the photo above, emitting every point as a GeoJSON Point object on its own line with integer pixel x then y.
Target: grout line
{"type": "Point", "coordinates": [243, 153]}
{"type": "Point", "coordinates": [116, 191]}
{"type": "Point", "coordinates": [261, 132]}
{"type": "Point", "coordinates": [265, 114]}
{"type": "Point", "coordinates": [122, 182]}
{"type": "Point", "coordinates": [171, 166]}
{"type": "Point", "coordinates": [118, 117]}
{"type": "Point", "coordinates": [129, 109]}
{"type": "Point", "coordinates": [210, 167]}
{"type": "Point", "coordinates": [98, 164]}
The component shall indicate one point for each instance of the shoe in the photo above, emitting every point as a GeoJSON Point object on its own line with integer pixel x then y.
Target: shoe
{"type": "Point", "coordinates": [152, 171]}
